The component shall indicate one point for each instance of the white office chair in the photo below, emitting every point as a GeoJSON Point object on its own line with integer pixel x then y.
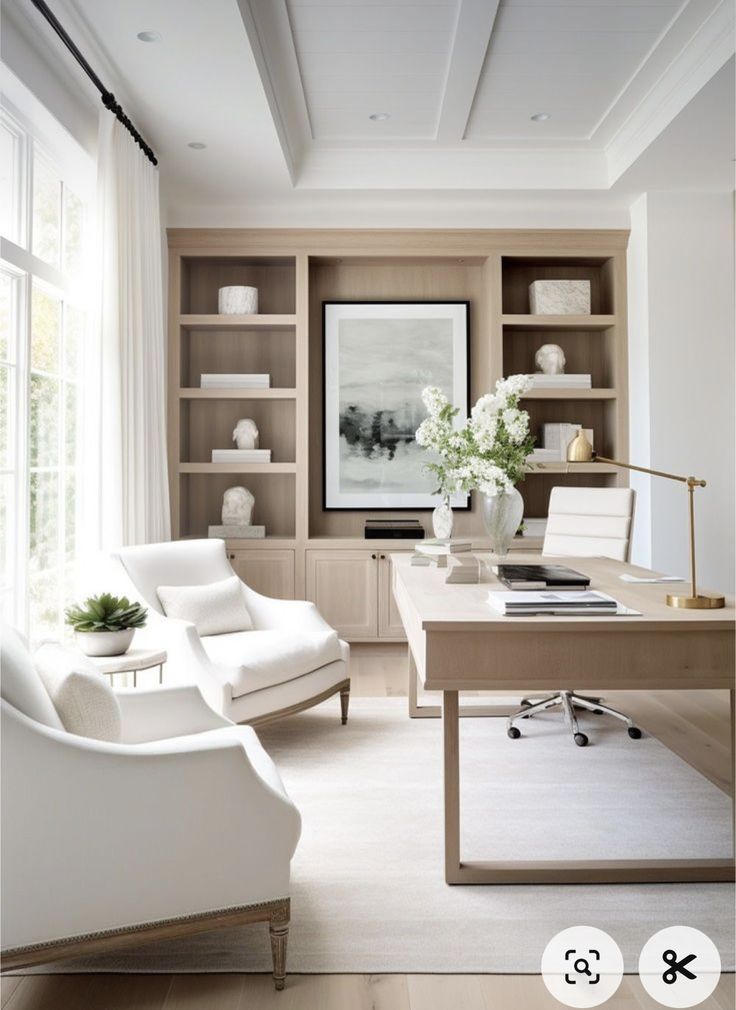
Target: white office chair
{"type": "Point", "coordinates": [583, 522]}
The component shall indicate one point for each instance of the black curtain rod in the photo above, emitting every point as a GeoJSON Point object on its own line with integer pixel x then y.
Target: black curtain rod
{"type": "Point", "coordinates": [108, 99]}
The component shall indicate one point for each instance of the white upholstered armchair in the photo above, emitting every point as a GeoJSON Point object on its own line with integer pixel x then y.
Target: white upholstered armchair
{"type": "Point", "coordinates": [290, 660]}
{"type": "Point", "coordinates": [181, 826]}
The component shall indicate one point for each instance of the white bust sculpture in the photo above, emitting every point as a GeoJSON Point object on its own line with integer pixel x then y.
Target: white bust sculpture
{"type": "Point", "coordinates": [550, 359]}
{"type": "Point", "coordinates": [237, 507]}
{"type": "Point", "coordinates": [245, 434]}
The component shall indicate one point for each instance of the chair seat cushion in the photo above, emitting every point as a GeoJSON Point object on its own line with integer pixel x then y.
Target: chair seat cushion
{"type": "Point", "coordinates": [252, 660]}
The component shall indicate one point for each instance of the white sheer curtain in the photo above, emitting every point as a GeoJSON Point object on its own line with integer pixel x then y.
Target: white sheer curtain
{"type": "Point", "coordinates": [128, 501]}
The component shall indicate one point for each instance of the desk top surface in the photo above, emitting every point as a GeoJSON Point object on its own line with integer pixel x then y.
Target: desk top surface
{"type": "Point", "coordinates": [439, 606]}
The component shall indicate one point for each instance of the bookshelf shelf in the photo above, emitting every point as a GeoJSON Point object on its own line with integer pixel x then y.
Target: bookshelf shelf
{"type": "Point", "coordinates": [570, 394]}
{"type": "Point", "coordinates": [521, 321]}
{"type": "Point", "coordinates": [197, 393]}
{"type": "Point", "coordinates": [237, 468]}
{"type": "Point", "coordinates": [220, 322]}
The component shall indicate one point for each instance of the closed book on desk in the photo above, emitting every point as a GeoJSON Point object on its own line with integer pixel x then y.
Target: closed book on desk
{"type": "Point", "coordinates": [527, 603]}
{"type": "Point", "coordinates": [541, 577]}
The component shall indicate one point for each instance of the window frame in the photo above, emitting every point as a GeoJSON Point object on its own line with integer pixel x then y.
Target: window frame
{"type": "Point", "coordinates": [76, 170]}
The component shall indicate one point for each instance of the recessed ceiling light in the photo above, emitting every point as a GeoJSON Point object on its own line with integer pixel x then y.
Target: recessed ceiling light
{"type": "Point", "coordinates": [380, 117]}
{"type": "Point", "coordinates": [196, 145]}
{"type": "Point", "coordinates": [149, 36]}
{"type": "Point", "coordinates": [540, 117]}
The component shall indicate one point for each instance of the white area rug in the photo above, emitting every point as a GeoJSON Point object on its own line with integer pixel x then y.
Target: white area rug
{"type": "Point", "coordinates": [368, 891]}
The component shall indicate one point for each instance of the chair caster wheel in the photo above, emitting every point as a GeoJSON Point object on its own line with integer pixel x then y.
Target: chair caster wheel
{"type": "Point", "coordinates": [634, 732]}
{"type": "Point", "coordinates": [581, 739]}
{"type": "Point", "coordinates": [597, 711]}
{"type": "Point", "coordinates": [525, 703]}
{"type": "Point", "coordinates": [513, 733]}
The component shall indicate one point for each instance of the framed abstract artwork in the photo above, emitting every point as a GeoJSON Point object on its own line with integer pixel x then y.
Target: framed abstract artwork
{"type": "Point", "coordinates": [378, 357]}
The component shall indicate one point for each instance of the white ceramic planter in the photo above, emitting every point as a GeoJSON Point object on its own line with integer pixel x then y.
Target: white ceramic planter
{"type": "Point", "coordinates": [104, 643]}
{"type": "Point", "coordinates": [237, 301]}
{"type": "Point", "coordinates": [502, 516]}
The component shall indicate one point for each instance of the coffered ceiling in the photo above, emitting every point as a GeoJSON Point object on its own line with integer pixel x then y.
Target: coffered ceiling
{"type": "Point", "coordinates": [582, 82]}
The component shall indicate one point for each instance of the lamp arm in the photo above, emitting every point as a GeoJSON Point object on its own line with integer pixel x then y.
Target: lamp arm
{"type": "Point", "coordinates": [690, 481]}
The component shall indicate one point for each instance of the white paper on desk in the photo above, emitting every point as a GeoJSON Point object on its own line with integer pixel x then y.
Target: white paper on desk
{"type": "Point", "coordinates": [650, 579]}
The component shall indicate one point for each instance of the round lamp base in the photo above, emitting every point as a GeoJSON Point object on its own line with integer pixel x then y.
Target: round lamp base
{"type": "Point", "coordinates": [699, 602]}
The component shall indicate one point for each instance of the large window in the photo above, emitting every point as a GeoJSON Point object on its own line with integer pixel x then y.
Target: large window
{"type": "Point", "coordinates": [43, 321]}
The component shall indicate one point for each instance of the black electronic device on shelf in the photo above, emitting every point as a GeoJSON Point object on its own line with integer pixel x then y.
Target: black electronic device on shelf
{"type": "Point", "coordinates": [393, 529]}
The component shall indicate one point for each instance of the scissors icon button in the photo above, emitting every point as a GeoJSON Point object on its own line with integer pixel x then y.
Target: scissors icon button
{"type": "Point", "coordinates": [669, 977]}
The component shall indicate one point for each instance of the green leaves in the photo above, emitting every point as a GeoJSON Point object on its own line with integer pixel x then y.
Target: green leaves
{"type": "Point", "coordinates": [106, 613]}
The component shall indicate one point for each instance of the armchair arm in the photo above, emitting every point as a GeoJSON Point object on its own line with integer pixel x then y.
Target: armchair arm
{"type": "Point", "coordinates": [292, 615]}
{"type": "Point", "coordinates": [165, 712]}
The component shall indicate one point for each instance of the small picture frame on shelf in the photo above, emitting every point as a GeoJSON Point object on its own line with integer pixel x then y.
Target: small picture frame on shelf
{"type": "Point", "coordinates": [378, 357]}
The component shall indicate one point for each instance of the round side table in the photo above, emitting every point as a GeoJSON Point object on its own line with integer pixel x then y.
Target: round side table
{"type": "Point", "coordinates": [131, 662]}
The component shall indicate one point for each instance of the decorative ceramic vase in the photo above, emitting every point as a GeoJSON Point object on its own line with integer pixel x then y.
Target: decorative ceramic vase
{"type": "Point", "coordinates": [502, 516]}
{"type": "Point", "coordinates": [104, 643]}
{"type": "Point", "coordinates": [237, 300]}
{"type": "Point", "coordinates": [442, 520]}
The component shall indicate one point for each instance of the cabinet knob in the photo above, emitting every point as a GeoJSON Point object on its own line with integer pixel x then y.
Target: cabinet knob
{"type": "Point", "coordinates": [231, 557]}
{"type": "Point", "coordinates": [383, 557]}
{"type": "Point", "coordinates": [373, 556]}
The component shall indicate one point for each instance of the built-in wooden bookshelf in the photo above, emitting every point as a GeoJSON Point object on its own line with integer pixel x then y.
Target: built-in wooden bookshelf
{"type": "Point", "coordinates": [295, 271]}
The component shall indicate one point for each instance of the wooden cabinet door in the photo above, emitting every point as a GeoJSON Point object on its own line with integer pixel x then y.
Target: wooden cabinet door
{"type": "Point", "coordinates": [270, 573]}
{"type": "Point", "coordinates": [389, 622]}
{"type": "Point", "coordinates": [344, 586]}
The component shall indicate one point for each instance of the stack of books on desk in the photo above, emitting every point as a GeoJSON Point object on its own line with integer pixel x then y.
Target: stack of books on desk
{"type": "Point", "coordinates": [241, 455]}
{"type": "Point", "coordinates": [235, 380]}
{"type": "Point", "coordinates": [527, 604]}
{"type": "Point", "coordinates": [564, 381]}
{"type": "Point", "coordinates": [439, 548]}
{"type": "Point", "coordinates": [540, 577]}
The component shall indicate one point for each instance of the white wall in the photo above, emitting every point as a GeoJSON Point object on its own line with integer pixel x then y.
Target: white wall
{"type": "Point", "coordinates": [681, 275]}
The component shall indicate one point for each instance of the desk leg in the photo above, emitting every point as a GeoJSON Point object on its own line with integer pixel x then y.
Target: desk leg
{"type": "Point", "coordinates": [451, 728]}
{"type": "Point", "coordinates": [733, 769]}
{"type": "Point", "coordinates": [161, 673]}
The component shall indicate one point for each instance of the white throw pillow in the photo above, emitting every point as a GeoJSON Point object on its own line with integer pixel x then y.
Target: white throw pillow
{"type": "Point", "coordinates": [215, 608]}
{"type": "Point", "coordinates": [83, 698]}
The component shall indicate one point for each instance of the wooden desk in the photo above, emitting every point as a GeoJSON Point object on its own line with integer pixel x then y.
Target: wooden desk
{"type": "Point", "coordinates": [458, 643]}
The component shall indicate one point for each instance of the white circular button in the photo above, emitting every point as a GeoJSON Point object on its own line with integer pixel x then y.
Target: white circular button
{"type": "Point", "coordinates": [679, 966]}
{"type": "Point", "coordinates": [582, 966]}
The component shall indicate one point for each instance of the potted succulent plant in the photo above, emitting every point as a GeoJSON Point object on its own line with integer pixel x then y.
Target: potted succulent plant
{"type": "Point", "coordinates": [104, 625]}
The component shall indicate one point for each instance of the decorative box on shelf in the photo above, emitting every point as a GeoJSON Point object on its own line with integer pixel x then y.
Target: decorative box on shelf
{"type": "Point", "coordinates": [559, 298]}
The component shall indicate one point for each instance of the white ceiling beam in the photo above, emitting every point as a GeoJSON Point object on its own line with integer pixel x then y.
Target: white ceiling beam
{"type": "Point", "coordinates": [473, 29]}
{"type": "Point", "coordinates": [269, 33]}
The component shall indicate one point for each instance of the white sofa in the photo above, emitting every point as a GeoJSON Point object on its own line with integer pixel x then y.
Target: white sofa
{"type": "Point", "coordinates": [291, 660]}
{"type": "Point", "coordinates": [183, 826]}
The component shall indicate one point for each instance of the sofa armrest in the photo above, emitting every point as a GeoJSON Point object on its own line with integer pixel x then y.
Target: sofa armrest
{"type": "Point", "coordinates": [165, 712]}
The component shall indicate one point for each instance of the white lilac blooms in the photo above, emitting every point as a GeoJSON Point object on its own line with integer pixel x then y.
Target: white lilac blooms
{"type": "Point", "coordinates": [489, 452]}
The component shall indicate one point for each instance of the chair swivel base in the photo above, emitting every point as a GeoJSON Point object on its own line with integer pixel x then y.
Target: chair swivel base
{"type": "Point", "coordinates": [569, 702]}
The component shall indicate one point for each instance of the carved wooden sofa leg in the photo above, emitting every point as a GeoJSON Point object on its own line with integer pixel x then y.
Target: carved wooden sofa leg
{"type": "Point", "coordinates": [278, 928]}
{"type": "Point", "coordinates": [344, 702]}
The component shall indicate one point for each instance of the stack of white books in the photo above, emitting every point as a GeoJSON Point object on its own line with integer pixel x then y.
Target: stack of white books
{"type": "Point", "coordinates": [441, 548]}
{"type": "Point", "coordinates": [529, 602]}
{"type": "Point", "coordinates": [564, 381]}
{"type": "Point", "coordinates": [241, 455]}
{"type": "Point", "coordinates": [235, 380]}
{"type": "Point", "coordinates": [544, 456]}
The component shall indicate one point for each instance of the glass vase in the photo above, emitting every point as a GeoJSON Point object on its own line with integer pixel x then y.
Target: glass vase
{"type": "Point", "coordinates": [442, 519]}
{"type": "Point", "coordinates": [502, 516]}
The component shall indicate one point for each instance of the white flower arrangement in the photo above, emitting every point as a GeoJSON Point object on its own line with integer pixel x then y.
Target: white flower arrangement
{"type": "Point", "coordinates": [489, 452]}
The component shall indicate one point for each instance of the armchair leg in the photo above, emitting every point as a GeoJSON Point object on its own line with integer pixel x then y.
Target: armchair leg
{"type": "Point", "coordinates": [344, 702]}
{"type": "Point", "coordinates": [278, 928]}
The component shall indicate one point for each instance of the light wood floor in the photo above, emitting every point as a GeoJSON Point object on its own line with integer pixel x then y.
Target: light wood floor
{"type": "Point", "coordinates": [694, 724]}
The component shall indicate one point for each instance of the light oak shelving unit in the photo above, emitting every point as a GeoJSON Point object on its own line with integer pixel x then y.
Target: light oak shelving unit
{"type": "Point", "coordinates": [309, 552]}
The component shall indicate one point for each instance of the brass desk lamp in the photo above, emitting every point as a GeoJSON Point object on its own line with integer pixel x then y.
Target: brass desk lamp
{"type": "Point", "coordinates": [581, 451]}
